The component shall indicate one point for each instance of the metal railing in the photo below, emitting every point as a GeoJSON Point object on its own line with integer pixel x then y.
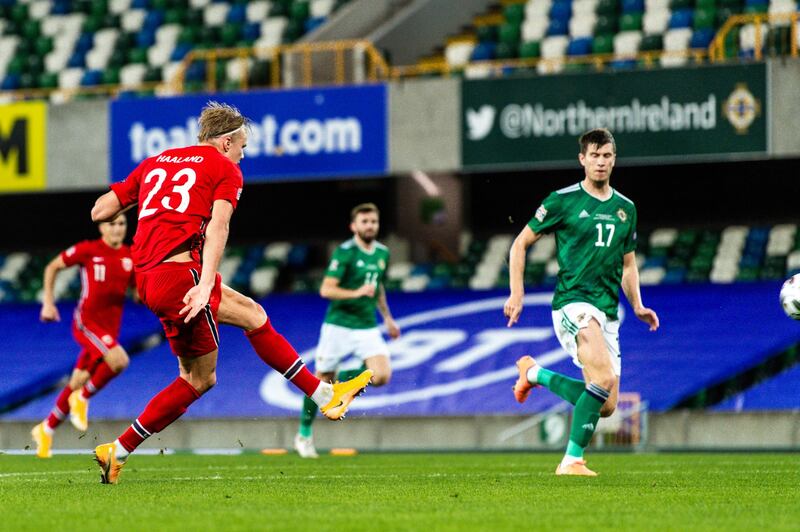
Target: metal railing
{"type": "Point", "coordinates": [760, 22]}
{"type": "Point", "coordinates": [319, 63]}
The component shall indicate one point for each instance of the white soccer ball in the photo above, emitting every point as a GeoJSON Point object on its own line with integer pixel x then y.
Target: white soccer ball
{"type": "Point", "coordinates": [790, 297]}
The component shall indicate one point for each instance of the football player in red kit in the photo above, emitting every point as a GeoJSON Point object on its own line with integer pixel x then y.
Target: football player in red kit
{"type": "Point", "coordinates": [186, 197]}
{"type": "Point", "coordinates": [106, 270]}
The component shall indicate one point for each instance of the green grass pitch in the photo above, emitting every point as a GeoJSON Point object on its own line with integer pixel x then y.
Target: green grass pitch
{"type": "Point", "coordinates": [459, 491]}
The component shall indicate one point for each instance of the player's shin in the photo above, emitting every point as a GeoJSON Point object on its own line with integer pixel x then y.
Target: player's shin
{"type": "Point", "coordinates": [279, 354]}
{"type": "Point", "coordinates": [567, 388]}
{"type": "Point", "coordinates": [167, 406]}
{"type": "Point", "coordinates": [585, 418]}
{"type": "Point", "coordinates": [60, 410]}
{"type": "Point", "coordinates": [307, 415]}
{"type": "Point", "coordinates": [101, 376]}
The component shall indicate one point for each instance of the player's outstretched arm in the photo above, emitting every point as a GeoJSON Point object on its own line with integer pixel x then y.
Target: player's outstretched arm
{"type": "Point", "coordinates": [516, 273]}
{"type": "Point", "coordinates": [107, 207]}
{"type": "Point", "coordinates": [331, 290]}
{"type": "Point", "coordinates": [216, 238]}
{"type": "Point", "coordinates": [49, 310]}
{"type": "Point", "coordinates": [386, 314]}
{"type": "Point", "coordinates": [630, 285]}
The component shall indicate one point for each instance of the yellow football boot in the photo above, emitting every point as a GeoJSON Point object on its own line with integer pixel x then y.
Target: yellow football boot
{"type": "Point", "coordinates": [44, 441]}
{"type": "Point", "coordinates": [79, 410]}
{"type": "Point", "coordinates": [106, 457]}
{"type": "Point", "coordinates": [344, 393]}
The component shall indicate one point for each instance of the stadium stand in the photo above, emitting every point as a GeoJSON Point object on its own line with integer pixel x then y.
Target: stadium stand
{"type": "Point", "coordinates": [627, 31]}
{"type": "Point", "coordinates": [666, 256]}
{"type": "Point", "coordinates": [67, 44]}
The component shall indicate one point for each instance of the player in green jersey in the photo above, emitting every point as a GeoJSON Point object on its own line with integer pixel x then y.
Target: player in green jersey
{"type": "Point", "coordinates": [595, 232]}
{"type": "Point", "coordinates": [354, 285]}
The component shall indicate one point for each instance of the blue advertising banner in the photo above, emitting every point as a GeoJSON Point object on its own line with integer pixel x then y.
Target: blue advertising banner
{"type": "Point", "coordinates": [456, 356]}
{"type": "Point", "coordinates": [296, 134]}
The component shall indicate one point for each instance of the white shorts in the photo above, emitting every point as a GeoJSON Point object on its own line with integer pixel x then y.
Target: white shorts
{"type": "Point", "coordinates": [568, 320]}
{"type": "Point", "coordinates": [336, 343]}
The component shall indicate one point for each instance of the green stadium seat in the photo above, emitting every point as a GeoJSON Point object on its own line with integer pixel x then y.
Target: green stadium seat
{"type": "Point", "coordinates": [43, 46]}
{"type": "Point", "coordinates": [530, 50]}
{"type": "Point", "coordinates": [487, 33]}
{"type": "Point", "coordinates": [111, 76]}
{"type": "Point", "coordinates": [299, 11]}
{"type": "Point", "coordinates": [603, 44]}
{"type": "Point", "coordinates": [137, 55]}
{"type": "Point", "coordinates": [630, 22]}
{"type": "Point", "coordinates": [651, 43]}
{"type": "Point", "coordinates": [509, 34]}
{"type": "Point", "coordinates": [704, 18]}
{"type": "Point", "coordinates": [514, 13]}
{"type": "Point", "coordinates": [506, 50]}
{"type": "Point", "coordinates": [606, 24]}
{"type": "Point", "coordinates": [31, 30]}
{"type": "Point", "coordinates": [48, 80]}
{"type": "Point", "coordinates": [706, 4]}
{"type": "Point", "coordinates": [607, 7]}
{"type": "Point", "coordinates": [680, 4]}
{"type": "Point", "coordinates": [229, 34]}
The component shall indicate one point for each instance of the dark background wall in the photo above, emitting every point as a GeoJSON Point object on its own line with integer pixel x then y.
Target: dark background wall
{"type": "Point", "coordinates": [748, 192]}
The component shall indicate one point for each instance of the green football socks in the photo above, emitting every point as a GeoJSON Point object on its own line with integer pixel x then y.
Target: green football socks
{"type": "Point", "coordinates": [585, 418]}
{"type": "Point", "coordinates": [565, 387]}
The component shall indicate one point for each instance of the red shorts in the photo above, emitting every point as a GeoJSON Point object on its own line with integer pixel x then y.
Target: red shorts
{"type": "Point", "coordinates": [162, 289]}
{"type": "Point", "coordinates": [95, 342]}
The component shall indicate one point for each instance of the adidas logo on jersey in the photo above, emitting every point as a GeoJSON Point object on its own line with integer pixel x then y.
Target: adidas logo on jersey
{"type": "Point", "coordinates": [583, 214]}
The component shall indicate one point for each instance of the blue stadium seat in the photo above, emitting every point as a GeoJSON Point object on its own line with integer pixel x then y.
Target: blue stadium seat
{"type": "Point", "coordinates": [314, 23]}
{"type": "Point", "coordinates": [702, 38]}
{"type": "Point", "coordinates": [632, 6]}
{"type": "Point", "coordinates": [561, 11]}
{"type": "Point", "coordinates": [91, 78]}
{"type": "Point", "coordinates": [251, 32]}
{"type": "Point", "coordinates": [557, 27]}
{"type": "Point", "coordinates": [484, 51]}
{"type": "Point", "coordinates": [681, 18]}
{"type": "Point", "coordinates": [237, 13]}
{"type": "Point", "coordinates": [180, 51]}
{"type": "Point", "coordinates": [146, 38]}
{"type": "Point", "coordinates": [580, 46]}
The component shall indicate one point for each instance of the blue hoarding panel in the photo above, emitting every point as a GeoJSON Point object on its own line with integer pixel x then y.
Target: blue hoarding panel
{"type": "Point", "coordinates": [296, 134]}
{"type": "Point", "coordinates": [456, 356]}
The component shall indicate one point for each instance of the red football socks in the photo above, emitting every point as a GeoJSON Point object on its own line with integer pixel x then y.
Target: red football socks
{"type": "Point", "coordinates": [167, 406]}
{"type": "Point", "coordinates": [273, 349]}
{"type": "Point", "coordinates": [61, 409]}
{"type": "Point", "coordinates": [101, 376]}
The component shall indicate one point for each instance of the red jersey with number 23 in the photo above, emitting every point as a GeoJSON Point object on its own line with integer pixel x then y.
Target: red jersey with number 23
{"type": "Point", "coordinates": [106, 274]}
{"type": "Point", "coordinates": [176, 191]}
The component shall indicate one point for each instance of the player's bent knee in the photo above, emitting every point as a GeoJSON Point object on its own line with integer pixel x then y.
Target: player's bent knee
{"type": "Point", "coordinates": [607, 409]}
{"type": "Point", "coordinates": [381, 379]}
{"type": "Point", "coordinates": [256, 314]}
{"type": "Point", "coordinates": [118, 363]}
{"type": "Point", "coordinates": [204, 384]}
{"type": "Point", "coordinates": [606, 382]}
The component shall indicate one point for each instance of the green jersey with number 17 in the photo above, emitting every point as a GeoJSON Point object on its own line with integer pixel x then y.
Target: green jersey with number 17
{"type": "Point", "coordinates": [591, 238]}
{"type": "Point", "coordinates": [355, 267]}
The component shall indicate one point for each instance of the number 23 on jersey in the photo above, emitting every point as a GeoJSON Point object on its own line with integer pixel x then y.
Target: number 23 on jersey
{"type": "Point", "coordinates": [181, 183]}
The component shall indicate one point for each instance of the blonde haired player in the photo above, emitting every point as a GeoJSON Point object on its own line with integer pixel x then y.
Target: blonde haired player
{"type": "Point", "coordinates": [186, 198]}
